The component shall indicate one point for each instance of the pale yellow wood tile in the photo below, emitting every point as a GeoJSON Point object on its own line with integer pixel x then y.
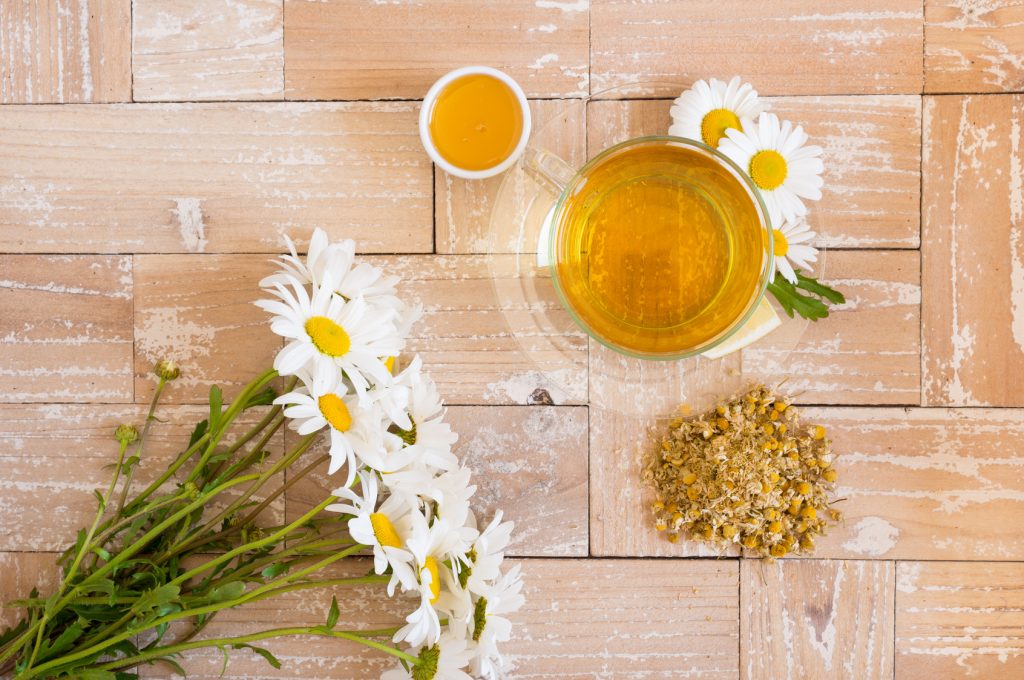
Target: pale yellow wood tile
{"type": "Point", "coordinates": [816, 619]}
{"type": "Point", "coordinates": [959, 620]}
{"type": "Point", "coordinates": [20, 572]}
{"type": "Point", "coordinates": [213, 177]}
{"type": "Point", "coordinates": [973, 251]}
{"type": "Point", "coordinates": [872, 154]}
{"type": "Point", "coordinates": [582, 619]}
{"type": "Point", "coordinates": [55, 455]}
{"type": "Point", "coordinates": [917, 483]}
{"type": "Point", "coordinates": [207, 50]}
{"type": "Point", "coordinates": [528, 462]}
{"type": "Point", "coordinates": [845, 47]}
{"type": "Point", "coordinates": [65, 51]}
{"type": "Point", "coordinates": [198, 311]}
{"type": "Point", "coordinates": [973, 45]}
{"type": "Point", "coordinates": [347, 49]}
{"type": "Point", "coordinates": [463, 208]}
{"type": "Point", "coordinates": [65, 328]}
{"type": "Point", "coordinates": [867, 351]}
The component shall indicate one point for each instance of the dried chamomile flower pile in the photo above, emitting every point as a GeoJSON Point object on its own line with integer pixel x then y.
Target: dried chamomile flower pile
{"type": "Point", "coordinates": [746, 472]}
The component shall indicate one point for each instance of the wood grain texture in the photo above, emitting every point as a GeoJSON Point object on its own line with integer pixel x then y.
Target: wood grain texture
{"type": "Point", "coordinates": [867, 351]}
{"type": "Point", "coordinates": [19, 574]}
{"type": "Point", "coordinates": [463, 208]}
{"type": "Point", "coordinates": [65, 328]}
{"type": "Point", "coordinates": [844, 47]}
{"type": "Point", "coordinates": [55, 455]}
{"type": "Point", "coordinates": [816, 619]}
{"type": "Point", "coordinates": [215, 177]}
{"type": "Point", "coordinates": [872, 154]}
{"type": "Point", "coordinates": [198, 310]}
{"type": "Point", "coordinates": [917, 484]}
{"type": "Point", "coordinates": [973, 251]}
{"type": "Point", "coordinates": [959, 620]}
{"type": "Point", "coordinates": [347, 49]}
{"type": "Point", "coordinates": [582, 619]}
{"type": "Point", "coordinates": [536, 455]}
{"type": "Point", "coordinates": [65, 51]}
{"type": "Point", "coordinates": [973, 45]}
{"type": "Point", "coordinates": [202, 50]}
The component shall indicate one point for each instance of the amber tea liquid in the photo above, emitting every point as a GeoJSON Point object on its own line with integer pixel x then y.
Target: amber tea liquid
{"type": "Point", "coordinates": [659, 249]}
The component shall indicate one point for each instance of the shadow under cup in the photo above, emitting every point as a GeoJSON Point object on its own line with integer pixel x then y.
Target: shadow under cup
{"type": "Point", "coordinates": [661, 248]}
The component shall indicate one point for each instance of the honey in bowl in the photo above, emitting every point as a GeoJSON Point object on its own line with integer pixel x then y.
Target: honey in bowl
{"type": "Point", "coordinates": [659, 248]}
{"type": "Point", "coordinates": [476, 122]}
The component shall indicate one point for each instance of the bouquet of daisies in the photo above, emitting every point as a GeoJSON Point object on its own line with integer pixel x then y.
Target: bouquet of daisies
{"type": "Point", "coordinates": [157, 564]}
{"type": "Point", "coordinates": [786, 170]}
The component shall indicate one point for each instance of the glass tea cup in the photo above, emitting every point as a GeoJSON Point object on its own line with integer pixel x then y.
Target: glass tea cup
{"type": "Point", "coordinates": [659, 247]}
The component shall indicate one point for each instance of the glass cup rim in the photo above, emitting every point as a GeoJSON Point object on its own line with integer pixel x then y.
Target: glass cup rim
{"type": "Point", "coordinates": [735, 170]}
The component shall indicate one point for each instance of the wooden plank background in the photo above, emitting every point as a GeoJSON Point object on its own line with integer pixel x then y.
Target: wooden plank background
{"type": "Point", "coordinates": [154, 152]}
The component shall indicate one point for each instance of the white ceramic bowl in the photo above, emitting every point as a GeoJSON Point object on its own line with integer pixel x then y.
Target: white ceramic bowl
{"type": "Point", "coordinates": [428, 106]}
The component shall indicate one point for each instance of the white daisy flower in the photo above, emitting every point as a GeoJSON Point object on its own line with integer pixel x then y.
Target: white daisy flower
{"type": "Point", "coordinates": [394, 398]}
{"type": "Point", "coordinates": [792, 249]}
{"type": "Point", "coordinates": [323, 330]}
{"type": "Point", "coordinates": [708, 109]}
{"type": "Point", "coordinates": [323, 401]}
{"type": "Point", "coordinates": [780, 164]}
{"type": "Point", "coordinates": [429, 546]}
{"type": "Point", "coordinates": [362, 280]}
{"type": "Point", "coordinates": [378, 528]}
{"type": "Point", "coordinates": [490, 626]}
{"type": "Point", "coordinates": [486, 555]}
{"type": "Point", "coordinates": [445, 660]}
{"type": "Point", "coordinates": [430, 437]}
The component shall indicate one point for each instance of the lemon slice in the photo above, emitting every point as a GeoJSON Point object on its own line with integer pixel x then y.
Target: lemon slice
{"type": "Point", "coordinates": [762, 322]}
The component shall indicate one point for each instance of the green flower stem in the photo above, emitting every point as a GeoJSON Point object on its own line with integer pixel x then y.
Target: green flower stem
{"type": "Point", "coordinates": [171, 469]}
{"type": "Point", "coordinates": [285, 461]}
{"type": "Point", "coordinates": [228, 417]}
{"type": "Point", "coordinates": [142, 442]}
{"type": "Point", "coordinates": [113, 529]}
{"type": "Point", "coordinates": [159, 652]}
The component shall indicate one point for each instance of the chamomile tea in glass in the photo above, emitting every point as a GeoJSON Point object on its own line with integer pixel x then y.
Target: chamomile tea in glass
{"type": "Point", "coordinates": [660, 247]}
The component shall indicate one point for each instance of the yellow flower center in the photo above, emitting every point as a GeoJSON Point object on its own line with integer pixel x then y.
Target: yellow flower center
{"type": "Point", "coordinates": [330, 338]}
{"type": "Point", "coordinates": [768, 169]}
{"type": "Point", "coordinates": [780, 243]}
{"type": "Point", "coordinates": [430, 564]}
{"type": "Point", "coordinates": [335, 412]}
{"type": "Point", "coordinates": [715, 123]}
{"type": "Point", "coordinates": [384, 530]}
{"type": "Point", "coordinates": [389, 364]}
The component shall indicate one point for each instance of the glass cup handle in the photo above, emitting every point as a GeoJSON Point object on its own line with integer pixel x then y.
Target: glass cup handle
{"type": "Point", "coordinates": [549, 168]}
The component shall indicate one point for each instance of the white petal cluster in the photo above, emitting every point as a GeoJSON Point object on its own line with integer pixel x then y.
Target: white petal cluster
{"type": "Point", "coordinates": [405, 495]}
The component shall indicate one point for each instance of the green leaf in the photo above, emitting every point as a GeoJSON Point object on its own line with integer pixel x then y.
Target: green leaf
{"type": "Point", "coordinates": [121, 675]}
{"type": "Point", "coordinates": [125, 647]}
{"type": "Point", "coordinates": [216, 400]}
{"type": "Point", "coordinates": [275, 570]}
{"type": "Point", "coordinates": [93, 674]}
{"type": "Point", "coordinates": [265, 653]}
{"type": "Point", "coordinates": [811, 285]}
{"type": "Point", "coordinates": [265, 397]}
{"type": "Point", "coordinates": [99, 498]}
{"type": "Point", "coordinates": [156, 597]}
{"type": "Point", "coordinates": [96, 612]}
{"type": "Point", "coordinates": [333, 613]}
{"type": "Point", "coordinates": [792, 300]}
{"type": "Point", "coordinates": [228, 591]}
{"type": "Point", "coordinates": [198, 433]}
{"type": "Point", "coordinates": [170, 662]}
{"type": "Point", "coordinates": [224, 651]}
{"type": "Point", "coordinates": [63, 642]}
{"type": "Point", "coordinates": [104, 555]}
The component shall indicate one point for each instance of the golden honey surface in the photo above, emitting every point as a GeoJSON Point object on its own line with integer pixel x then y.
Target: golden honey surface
{"type": "Point", "coordinates": [659, 249]}
{"type": "Point", "coordinates": [476, 122]}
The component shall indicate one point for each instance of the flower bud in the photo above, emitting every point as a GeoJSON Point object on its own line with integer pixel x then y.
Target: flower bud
{"type": "Point", "coordinates": [192, 490]}
{"type": "Point", "coordinates": [167, 369]}
{"type": "Point", "coordinates": [126, 434]}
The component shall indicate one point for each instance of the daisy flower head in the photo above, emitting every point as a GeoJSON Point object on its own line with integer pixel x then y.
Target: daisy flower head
{"type": "Point", "coordinates": [429, 546]}
{"type": "Point", "coordinates": [783, 167]}
{"type": "Point", "coordinates": [378, 528]}
{"type": "Point", "coordinates": [325, 330]}
{"type": "Point", "coordinates": [708, 109]}
{"type": "Point", "coordinates": [430, 437]}
{"type": "Point", "coordinates": [443, 660]}
{"type": "Point", "coordinates": [350, 280]}
{"type": "Point", "coordinates": [323, 402]}
{"type": "Point", "coordinates": [490, 625]}
{"type": "Point", "coordinates": [793, 250]}
{"type": "Point", "coordinates": [484, 558]}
